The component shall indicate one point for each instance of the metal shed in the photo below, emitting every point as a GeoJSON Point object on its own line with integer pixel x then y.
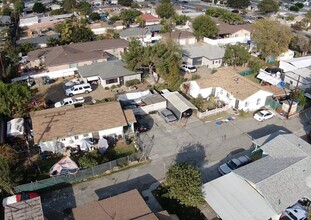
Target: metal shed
{"type": "Point", "coordinates": [179, 105]}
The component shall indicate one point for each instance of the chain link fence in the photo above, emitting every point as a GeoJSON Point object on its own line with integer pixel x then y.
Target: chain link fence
{"type": "Point", "coordinates": [82, 174]}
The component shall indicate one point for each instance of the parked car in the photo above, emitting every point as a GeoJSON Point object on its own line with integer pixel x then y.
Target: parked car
{"type": "Point", "coordinates": [233, 164]}
{"type": "Point", "coordinates": [79, 89]}
{"type": "Point", "coordinates": [188, 68]}
{"type": "Point", "coordinates": [69, 101]}
{"type": "Point", "coordinates": [297, 211]}
{"type": "Point", "coordinates": [167, 115]}
{"type": "Point", "coordinates": [264, 115]}
{"type": "Point", "coordinates": [18, 198]}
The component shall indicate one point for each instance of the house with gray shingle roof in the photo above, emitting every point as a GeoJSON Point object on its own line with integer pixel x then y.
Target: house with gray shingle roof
{"type": "Point", "coordinates": [40, 41]}
{"type": "Point", "coordinates": [203, 55]}
{"type": "Point", "coordinates": [108, 73]}
{"type": "Point", "coordinates": [264, 188]}
{"type": "Point", "coordinates": [79, 54]}
{"type": "Point", "coordinates": [148, 34]}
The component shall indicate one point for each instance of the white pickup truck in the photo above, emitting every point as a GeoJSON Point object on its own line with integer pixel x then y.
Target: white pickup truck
{"type": "Point", "coordinates": [69, 101]}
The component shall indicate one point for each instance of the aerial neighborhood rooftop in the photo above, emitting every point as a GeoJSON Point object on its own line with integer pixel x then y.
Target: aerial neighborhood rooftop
{"type": "Point", "coordinates": [164, 110]}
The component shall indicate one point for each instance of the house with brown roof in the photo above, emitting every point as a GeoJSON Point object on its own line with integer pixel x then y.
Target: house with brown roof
{"type": "Point", "coordinates": [150, 19]}
{"type": "Point", "coordinates": [230, 34]}
{"type": "Point", "coordinates": [67, 126]}
{"type": "Point", "coordinates": [181, 37]}
{"type": "Point", "coordinates": [128, 205]}
{"type": "Point", "coordinates": [233, 89]}
{"type": "Point", "coordinates": [79, 54]}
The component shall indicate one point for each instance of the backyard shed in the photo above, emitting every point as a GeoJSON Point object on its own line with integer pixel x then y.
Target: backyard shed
{"type": "Point", "coordinates": [178, 104]}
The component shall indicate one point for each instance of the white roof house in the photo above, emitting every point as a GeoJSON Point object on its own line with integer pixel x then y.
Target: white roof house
{"type": "Point", "coordinates": [295, 63]}
{"type": "Point", "coordinates": [301, 74]}
{"type": "Point", "coordinates": [266, 187]}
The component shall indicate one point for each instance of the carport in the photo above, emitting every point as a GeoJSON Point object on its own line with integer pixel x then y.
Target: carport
{"type": "Point", "coordinates": [179, 105]}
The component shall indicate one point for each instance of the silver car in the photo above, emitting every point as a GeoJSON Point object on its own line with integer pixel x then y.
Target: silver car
{"type": "Point", "coordinates": [233, 164]}
{"type": "Point", "coordinates": [167, 115]}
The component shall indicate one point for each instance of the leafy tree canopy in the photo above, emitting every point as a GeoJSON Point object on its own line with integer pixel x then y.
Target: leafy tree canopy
{"type": "Point", "coordinates": [204, 26]}
{"type": "Point", "coordinates": [294, 8]}
{"type": "Point", "coordinates": [165, 9]}
{"type": "Point", "coordinates": [300, 43]}
{"type": "Point", "coordinates": [128, 16]}
{"type": "Point", "coordinates": [26, 47]}
{"type": "Point", "coordinates": [268, 6]}
{"type": "Point", "coordinates": [69, 5]}
{"type": "Point", "coordinates": [272, 38]}
{"type": "Point", "coordinates": [38, 7]}
{"type": "Point", "coordinates": [6, 182]}
{"type": "Point", "coordinates": [225, 15]}
{"type": "Point", "coordinates": [236, 55]}
{"type": "Point", "coordinates": [184, 183]}
{"type": "Point", "coordinates": [57, 12]}
{"type": "Point", "coordinates": [13, 98]}
{"type": "Point", "coordinates": [238, 3]}
{"type": "Point", "coordinates": [180, 19]}
{"type": "Point", "coordinates": [84, 8]}
{"type": "Point", "coordinates": [94, 16]}
{"type": "Point", "coordinates": [19, 6]}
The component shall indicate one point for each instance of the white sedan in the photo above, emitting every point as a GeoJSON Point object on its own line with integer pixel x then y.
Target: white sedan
{"type": "Point", "coordinates": [188, 68]}
{"type": "Point", "coordinates": [264, 115]}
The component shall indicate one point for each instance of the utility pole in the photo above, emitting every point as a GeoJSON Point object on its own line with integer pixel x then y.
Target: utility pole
{"type": "Point", "coordinates": [292, 100]}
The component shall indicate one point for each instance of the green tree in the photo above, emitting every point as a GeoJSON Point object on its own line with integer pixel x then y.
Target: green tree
{"type": "Point", "coordinates": [6, 181]}
{"type": "Point", "coordinates": [52, 42]}
{"type": "Point", "coordinates": [126, 3]}
{"type": "Point", "coordinates": [133, 56]}
{"type": "Point", "coordinates": [94, 16]}
{"type": "Point", "coordinates": [19, 6]}
{"type": "Point", "coordinates": [300, 43]}
{"type": "Point", "coordinates": [165, 9]}
{"type": "Point", "coordinates": [215, 12]}
{"type": "Point", "coordinates": [57, 12]}
{"type": "Point", "coordinates": [236, 55]}
{"type": "Point", "coordinates": [180, 19]}
{"type": "Point", "coordinates": [84, 8]}
{"type": "Point", "coordinates": [69, 5]}
{"type": "Point", "coordinates": [204, 26]}
{"type": "Point", "coordinates": [113, 19]}
{"type": "Point", "coordinates": [238, 3]}
{"type": "Point", "coordinates": [6, 10]}
{"type": "Point", "coordinates": [184, 183]}
{"type": "Point", "coordinates": [111, 34]}
{"type": "Point", "coordinates": [268, 6]}
{"type": "Point", "coordinates": [140, 21]}
{"type": "Point", "coordinates": [38, 7]}
{"type": "Point", "coordinates": [128, 16]}
{"type": "Point", "coordinates": [13, 98]}
{"type": "Point", "coordinates": [26, 47]}
{"type": "Point", "coordinates": [87, 161]}
{"type": "Point", "coordinates": [255, 64]}
{"type": "Point", "coordinates": [272, 38]}
{"type": "Point", "coordinates": [167, 25]}
{"type": "Point", "coordinates": [82, 34]}
{"type": "Point", "coordinates": [299, 5]}
{"type": "Point", "coordinates": [294, 8]}
{"type": "Point", "coordinates": [300, 97]}
{"type": "Point", "coordinates": [231, 18]}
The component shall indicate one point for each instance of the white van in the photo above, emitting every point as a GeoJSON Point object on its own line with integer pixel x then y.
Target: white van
{"type": "Point", "coordinates": [78, 89]}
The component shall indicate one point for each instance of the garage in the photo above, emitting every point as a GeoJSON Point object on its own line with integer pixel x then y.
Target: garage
{"type": "Point", "coordinates": [179, 105]}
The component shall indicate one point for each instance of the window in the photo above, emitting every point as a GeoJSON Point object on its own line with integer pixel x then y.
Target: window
{"type": "Point", "coordinates": [291, 82]}
{"type": "Point", "coordinates": [110, 81]}
{"type": "Point", "coordinates": [63, 139]}
{"type": "Point", "coordinates": [76, 137]}
{"type": "Point", "coordinates": [258, 101]}
{"type": "Point", "coordinates": [246, 104]}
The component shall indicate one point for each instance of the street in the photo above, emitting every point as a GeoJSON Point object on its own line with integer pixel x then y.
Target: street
{"type": "Point", "coordinates": [202, 144]}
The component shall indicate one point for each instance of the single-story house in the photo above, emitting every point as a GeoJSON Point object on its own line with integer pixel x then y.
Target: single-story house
{"type": "Point", "coordinates": [230, 34]}
{"type": "Point", "coordinates": [178, 104]}
{"type": "Point", "coordinates": [203, 55]}
{"type": "Point", "coordinates": [150, 19]}
{"type": "Point", "coordinates": [264, 188]}
{"type": "Point", "coordinates": [108, 73]}
{"type": "Point", "coordinates": [148, 34]}
{"type": "Point", "coordinates": [233, 89]}
{"type": "Point", "coordinates": [40, 41]}
{"type": "Point", "coordinates": [102, 27]}
{"type": "Point", "coordinates": [79, 54]}
{"type": "Point", "coordinates": [57, 128]}
{"type": "Point", "coordinates": [295, 63]}
{"type": "Point", "coordinates": [41, 21]}
{"type": "Point", "coordinates": [128, 205]}
{"type": "Point", "coordinates": [181, 37]}
{"type": "Point", "coordinates": [302, 74]}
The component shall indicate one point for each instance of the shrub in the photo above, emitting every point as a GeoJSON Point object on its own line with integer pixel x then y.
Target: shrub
{"type": "Point", "coordinates": [107, 88]}
{"type": "Point", "coordinates": [294, 8]}
{"type": "Point", "coordinates": [132, 82]}
{"type": "Point", "coordinates": [114, 87]}
{"type": "Point", "coordinates": [88, 160]}
{"type": "Point", "coordinates": [214, 71]}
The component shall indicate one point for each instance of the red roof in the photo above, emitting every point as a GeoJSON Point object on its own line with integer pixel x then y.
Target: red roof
{"type": "Point", "coordinates": [149, 17]}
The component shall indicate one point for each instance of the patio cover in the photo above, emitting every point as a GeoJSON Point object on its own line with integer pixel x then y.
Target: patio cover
{"type": "Point", "coordinates": [64, 166]}
{"type": "Point", "coordinates": [178, 101]}
{"type": "Point", "coordinates": [233, 198]}
{"type": "Point", "coordinates": [267, 78]}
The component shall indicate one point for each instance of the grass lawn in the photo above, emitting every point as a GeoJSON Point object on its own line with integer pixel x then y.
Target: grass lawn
{"type": "Point", "coordinates": [252, 77]}
{"type": "Point", "coordinates": [173, 207]}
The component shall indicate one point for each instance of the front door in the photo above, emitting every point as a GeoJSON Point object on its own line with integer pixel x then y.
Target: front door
{"type": "Point", "coordinates": [236, 104]}
{"type": "Point", "coordinates": [121, 80]}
